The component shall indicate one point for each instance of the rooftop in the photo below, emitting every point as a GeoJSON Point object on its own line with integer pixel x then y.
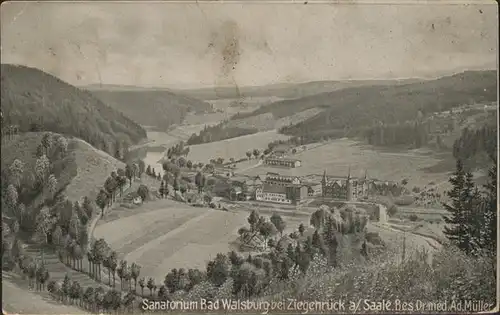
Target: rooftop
{"type": "Point", "coordinates": [268, 188]}
{"type": "Point", "coordinates": [282, 159]}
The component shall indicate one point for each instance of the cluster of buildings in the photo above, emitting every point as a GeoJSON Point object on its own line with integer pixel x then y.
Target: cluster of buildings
{"type": "Point", "coordinates": [293, 190]}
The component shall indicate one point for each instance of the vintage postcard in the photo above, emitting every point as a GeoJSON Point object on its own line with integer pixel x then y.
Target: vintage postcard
{"type": "Point", "coordinates": [258, 157]}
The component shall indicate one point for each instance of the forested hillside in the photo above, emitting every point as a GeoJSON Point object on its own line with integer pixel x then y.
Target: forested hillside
{"type": "Point", "coordinates": [219, 132]}
{"type": "Point", "coordinates": [477, 147]}
{"type": "Point", "coordinates": [33, 100]}
{"type": "Point", "coordinates": [351, 110]}
{"type": "Point", "coordinates": [151, 107]}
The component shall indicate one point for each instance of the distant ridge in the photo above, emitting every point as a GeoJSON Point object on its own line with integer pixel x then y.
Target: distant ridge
{"type": "Point", "coordinates": [160, 108]}
{"type": "Point", "coordinates": [284, 90]}
{"type": "Point", "coordinates": [359, 107]}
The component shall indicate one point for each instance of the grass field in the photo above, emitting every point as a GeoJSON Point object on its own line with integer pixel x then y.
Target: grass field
{"type": "Point", "coordinates": [93, 167]}
{"type": "Point", "coordinates": [233, 148]}
{"type": "Point", "coordinates": [164, 234]}
{"type": "Point", "coordinates": [337, 156]}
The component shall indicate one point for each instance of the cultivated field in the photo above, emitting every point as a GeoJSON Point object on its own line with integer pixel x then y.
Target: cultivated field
{"type": "Point", "coordinates": [337, 156]}
{"type": "Point", "coordinates": [243, 104]}
{"type": "Point", "coordinates": [164, 234]}
{"type": "Point", "coordinates": [233, 148]}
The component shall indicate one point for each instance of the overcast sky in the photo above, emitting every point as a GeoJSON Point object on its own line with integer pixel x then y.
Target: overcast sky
{"type": "Point", "coordinates": [188, 45]}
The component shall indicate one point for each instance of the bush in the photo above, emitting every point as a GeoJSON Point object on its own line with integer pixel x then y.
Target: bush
{"type": "Point", "coordinates": [143, 192]}
{"type": "Point", "coordinates": [413, 217]}
{"type": "Point", "coordinates": [374, 238]}
{"type": "Point", "coordinates": [452, 275]}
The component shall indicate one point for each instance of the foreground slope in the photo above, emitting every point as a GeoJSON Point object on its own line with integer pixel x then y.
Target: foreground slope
{"type": "Point", "coordinates": [150, 107]}
{"type": "Point", "coordinates": [37, 101]}
{"type": "Point", "coordinates": [17, 300]}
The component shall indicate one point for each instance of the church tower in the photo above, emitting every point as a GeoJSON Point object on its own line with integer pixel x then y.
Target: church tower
{"type": "Point", "coordinates": [349, 186]}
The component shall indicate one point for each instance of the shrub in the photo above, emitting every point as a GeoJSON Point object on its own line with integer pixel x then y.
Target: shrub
{"type": "Point", "coordinates": [413, 217]}
{"type": "Point", "coordinates": [452, 276]}
{"type": "Point", "coordinates": [143, 192]}
{"type": "Point", "coordinates": [374, 238]}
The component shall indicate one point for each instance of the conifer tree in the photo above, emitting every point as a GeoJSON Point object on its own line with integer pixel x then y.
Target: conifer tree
{"type": "Point", "coordinates": [456, 232]}
{"type": "Point", "coordinates": [465, 219]}
{"type": "Point", "coordinates": [162, 189]}
{"type": "Point", "coordinates": [489, 211]}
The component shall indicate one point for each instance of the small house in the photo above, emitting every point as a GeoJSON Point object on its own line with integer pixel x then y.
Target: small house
{"type": "Point", "coordinates": [236, 193]}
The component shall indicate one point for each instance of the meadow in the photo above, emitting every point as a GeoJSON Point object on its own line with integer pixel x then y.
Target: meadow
{"type": "Point", "coordinates": [164, 234]}
{"type": "Point", "coordinates": [242, 104]}
{"type": "Point", "coordinates": [233, 148]}
{"type": "Point", "coordinates": [93, 168]}
{"type": "Point", "coordinates": [337, 156]}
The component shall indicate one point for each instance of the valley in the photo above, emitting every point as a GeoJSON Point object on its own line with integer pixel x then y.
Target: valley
{"type": "Point", "coordinates": [114, 193]}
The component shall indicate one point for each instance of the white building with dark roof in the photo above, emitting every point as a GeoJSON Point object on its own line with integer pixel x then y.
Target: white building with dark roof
{"type": "Point", "coordinates": [282, 189]}
{"type": "Point", "coordinates": [282, 162]}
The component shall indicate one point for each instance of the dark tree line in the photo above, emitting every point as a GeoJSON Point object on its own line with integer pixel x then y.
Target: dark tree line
{"type": "Point", "coordinates": [219, 132]}
{"type": "Point", "coordinates": [474, 142]}
{"type": "Point", "coordinates": [410, 133]}
{"type": "Point", "coordinates": [178, 150]}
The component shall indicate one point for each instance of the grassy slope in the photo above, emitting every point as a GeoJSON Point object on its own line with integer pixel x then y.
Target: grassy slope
{"type": "Point", "coordinates": [361, 106]}
{"type": "Point", "coordinates": [150, 107]}
{"type": "Point", "coordinates": [31, 96]}
{"type": "Point", "coordinates": [93, 168]}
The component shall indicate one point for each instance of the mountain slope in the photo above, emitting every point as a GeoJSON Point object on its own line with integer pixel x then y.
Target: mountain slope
{"type": "Point", "coordinates": [364, 106]}
{"type": "Point", "coordinates": [79, 173]}
{"type": "Point", "coordinates": [35, 101]}
{"type": "Point", "coordinates": [150, 107]}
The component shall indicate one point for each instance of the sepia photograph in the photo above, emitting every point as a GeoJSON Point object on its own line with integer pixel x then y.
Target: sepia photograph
{"type": "Point", "coordinates": [257, 157]}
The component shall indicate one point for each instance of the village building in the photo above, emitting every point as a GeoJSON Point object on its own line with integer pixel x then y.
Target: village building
{"type": "Point", "coordinates": [314, 189]}
{"type": "Point", "coordinates": [283, 162]}
{"type": "Point", "coordinates": [282, 189]}
{"type": "Point", "coordinates": [346, 188]}
{"type": "Point", "coordinates": [282, 150]}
